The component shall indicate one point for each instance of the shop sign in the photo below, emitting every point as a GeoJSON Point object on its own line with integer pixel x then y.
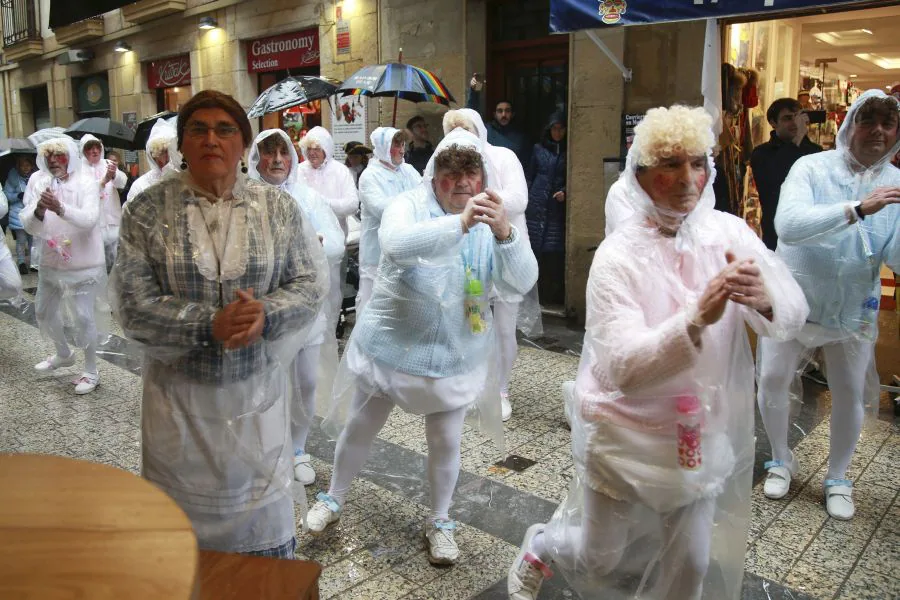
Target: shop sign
{"type": "Point", "coordinates": [348, 122]}
{"type": "Point", "coordinates": [287, 51]}
{"type": "Point", "coordinates": [169, 72]}
{"type": "Point", "coordinates": [342, 31]}
{"type": "Point", "coordinates": [130, 120]}
{"type": "Point", "coordinates": [574, 15]}
{"type": "Point", "coordinates": [93, 94]}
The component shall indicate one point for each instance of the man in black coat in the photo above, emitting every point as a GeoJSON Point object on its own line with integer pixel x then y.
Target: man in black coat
{"type": "Point", "coordinates": [502, 131]}
{"type": "Point", "coordinates": [772, 161]}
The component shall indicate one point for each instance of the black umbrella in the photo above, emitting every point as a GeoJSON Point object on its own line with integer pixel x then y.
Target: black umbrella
{"type": "Point", "coordinates": [143, 129]}
{"type": "Point", "coordinates": [111, 133]}
{"type": "Point", "coordinates": [293, 91]}
{"type": "Point", "coordinates": [17, 145]}
{"type": "Point", "coordinates": [398, 80]}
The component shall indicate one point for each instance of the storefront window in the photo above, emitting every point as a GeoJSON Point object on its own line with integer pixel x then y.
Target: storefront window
{"type": "Point", "coordinates": [275, 59]}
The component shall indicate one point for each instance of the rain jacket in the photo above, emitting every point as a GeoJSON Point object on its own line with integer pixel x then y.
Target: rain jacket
{"type": "Point", "coordinates": [314, 208]}
{"type": "Point", "coordinates": [161, 130]}
{"type": "Point", "coordinates": [822, 246]}
{"type": "Point", "coordinates": [110, 206]}
{"type": "Point", "coordinates": [379, 184]}
{"type": "Point", "coordinates": [332, 180]}
{"type": "Point", "coordinates": [509, 177]}
{"type": "Point", "coordinates": [425, 256]}
{"type": "Point", "coordinates": [73, 241]}
{"type": "Point", "coordinates": [546, 175]}
{"type": "Point", "coordinates": [15, 185]}
{"type": "Point", "coordinates": [10, 280]}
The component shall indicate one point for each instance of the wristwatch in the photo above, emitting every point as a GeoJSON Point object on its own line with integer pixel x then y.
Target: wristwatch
{"type": "Point", "coordinates": [857, 208]}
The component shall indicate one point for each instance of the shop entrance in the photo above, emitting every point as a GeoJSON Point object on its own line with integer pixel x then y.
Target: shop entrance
{"type": "Point", "coordinates": [529, 67]}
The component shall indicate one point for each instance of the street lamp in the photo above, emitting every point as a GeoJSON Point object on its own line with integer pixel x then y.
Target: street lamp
{"type": "Point", "coordinates": [122, 46]}
{"type": "Point", "coordinates": [208, 23]}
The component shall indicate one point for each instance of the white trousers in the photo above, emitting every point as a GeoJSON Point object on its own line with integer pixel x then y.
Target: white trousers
{"type": "Point", "coordinates": [303, 396]}
{"type": "Point", "coordinates": [505, 317]}
{"type": "Point", "coordinates": [847, 363]}
{"type": "Point", "coordinates": [595, 548]}
{"type": "Point", "coordinates": [81, 298]}
{"type": "Point", "coordinates": [443, 432]}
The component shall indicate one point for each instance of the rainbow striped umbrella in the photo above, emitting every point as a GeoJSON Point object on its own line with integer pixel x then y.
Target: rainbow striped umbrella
{"type": "Point", "coordinates": [397, 80]}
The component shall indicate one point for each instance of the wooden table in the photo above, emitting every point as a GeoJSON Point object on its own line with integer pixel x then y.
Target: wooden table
{"type": "Point", "coordinates": [76, 529]}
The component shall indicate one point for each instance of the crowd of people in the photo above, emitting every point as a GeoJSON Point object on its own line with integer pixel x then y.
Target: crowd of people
{"type": "Point", "coordinates": [227, 275]}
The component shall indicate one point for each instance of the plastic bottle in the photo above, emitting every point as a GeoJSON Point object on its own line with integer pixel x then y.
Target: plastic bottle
{"type": "Point", "coordinates": [869, 318]}
{"type": "Point", "coordinates": [689, 418]}
{"type": "Point", "coordinates": [474, 305]}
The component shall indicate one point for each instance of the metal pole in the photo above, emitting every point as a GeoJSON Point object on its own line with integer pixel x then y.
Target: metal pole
{"type": "Point", "coordinates": [626, 72]}
{"type": "Point", "coordinates": [394, 122]}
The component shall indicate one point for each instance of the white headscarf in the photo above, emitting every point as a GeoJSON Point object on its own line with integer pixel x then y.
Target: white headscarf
{"type": "Point", "coordinates": [253, 162]}
{"type": "Point", "coordinates": [845, 135]}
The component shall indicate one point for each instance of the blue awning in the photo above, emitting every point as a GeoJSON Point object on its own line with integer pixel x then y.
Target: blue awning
{"type": "Point", "coordinates": [574, 15]}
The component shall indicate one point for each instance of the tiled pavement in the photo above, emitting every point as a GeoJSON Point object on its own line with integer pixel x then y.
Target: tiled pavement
{"type": "Point", "coordinates": [794, 552]}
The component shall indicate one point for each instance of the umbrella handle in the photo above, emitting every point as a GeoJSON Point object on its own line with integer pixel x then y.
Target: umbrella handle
{"type": "Point", "coordinates": [394, 122]}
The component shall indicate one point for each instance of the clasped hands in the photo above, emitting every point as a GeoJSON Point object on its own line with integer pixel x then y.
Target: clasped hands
{"type": "Point", "coordinates": [240, 323]}
{"type": "Point", "coordinates": [47, 202]}
{"type": "Point", "coordinates": [740, 282]}
{"type": "Point", "coordinates": [487, 207]}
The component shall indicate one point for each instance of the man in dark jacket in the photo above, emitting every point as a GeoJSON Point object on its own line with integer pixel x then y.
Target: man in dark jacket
{"type": "Point", "coordinates": [420, 149]}
{"type": "Point", "coordinates": [501, 130]}
{"type": "Point", "coordinates": [772, 161]}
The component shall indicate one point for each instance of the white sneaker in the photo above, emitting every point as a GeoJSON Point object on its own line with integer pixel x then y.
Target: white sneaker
{"type": "Point", "coordinates": [55, 362]}
{"type": "Point", "coordinates": [838, 500]}
{"type": "Point", "coordinates": [87, 383]}
{"type": "Point", "coordinates": [442, 548]}
{"type": "Point", "coordinates": [527, 572]}
{"type": "Point", "coordinates": [303, 471]}
{"type": "Point", "coordinates": [505, 407]}
{"type": "Point", "coordinates": [323, 513]}
{"type": "Point", "coordinates": [779, 480]}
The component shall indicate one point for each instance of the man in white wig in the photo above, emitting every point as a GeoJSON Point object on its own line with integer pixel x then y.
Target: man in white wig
{"type": "Point", "coordinates": [162, 136]}
{"type": "Point", "coordinates": [63, 211]}
{"type": "Point", "coordinates": [424, 341]}
{"type": "Point", "coordinates": [509, 181]}
{"type": "Point", "coordinates": [662, 407]}
{"type": "Point", "coordinates": [111, 180]}
{"type": "Point", "coordinates": [274, 160]}
{"type": "Point", "coordinates": [10, 280]}
{"type": "Point", "coordinates": [384, 179]}
{"type": "Point", "coordinates": [334, 182]}
{"type": "Point", "coordinates": [838, 221]}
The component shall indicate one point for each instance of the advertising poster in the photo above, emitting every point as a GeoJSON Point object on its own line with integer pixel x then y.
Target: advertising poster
{"type": "Point", "coordinates": [348, 122]}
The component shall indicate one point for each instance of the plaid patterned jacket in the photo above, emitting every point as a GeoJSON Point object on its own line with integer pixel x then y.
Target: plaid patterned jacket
{"type": "Point", "coordinates": [164, 300]}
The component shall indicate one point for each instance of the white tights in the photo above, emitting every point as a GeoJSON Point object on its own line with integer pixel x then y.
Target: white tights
{"type": "Point", "coordinates": [597, 545]}
{"type": "Point", "coordinates": [443, 432]}
{"type": "Point", "coordinates": [49, 308]}
{"type": "Point", "coordinates": [847, 363]}
{"type": "Point", "coordinates": [505, 316]}
{"type": "Point", "coordinates": [303, 404]}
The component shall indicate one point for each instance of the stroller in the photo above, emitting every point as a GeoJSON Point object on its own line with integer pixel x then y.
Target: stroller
{"type": "Point", "coordinates": [350, 285]}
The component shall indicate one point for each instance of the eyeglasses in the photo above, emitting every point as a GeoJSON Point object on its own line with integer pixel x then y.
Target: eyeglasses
{"type": "Point", "coordinates": [201, 130]}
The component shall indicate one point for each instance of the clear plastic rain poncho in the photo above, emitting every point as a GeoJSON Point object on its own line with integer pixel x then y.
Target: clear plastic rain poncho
{"type": "Point", "coordinates": [71, 294]}
{"type": "Point", "coordinates": [836, 258]}
{"type": "Point", "coordinates": [509, 182]}
{"type": "Point", "coordinates": [110, 206]}
{"type": "Point", "coordinates": [215, 421]}
{"type": "Point", "coordinates": [161, 137]}
{"type": "Point", "coordinates": [316, 371]}
{"type": "Point", "coordinates": [426, 339]}
{"type": "Point", "coordinates": [10, 280]}
{"type": "Point", "coordinates": [332, 180]}
{"type": "Point", "coordinates": [379, 184]}
{"type": "Point", "coordinates": [662, 429]}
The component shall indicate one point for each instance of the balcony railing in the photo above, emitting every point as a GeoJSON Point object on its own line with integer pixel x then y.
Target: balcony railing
{"type": "Point", "coordinates": [20, 21]}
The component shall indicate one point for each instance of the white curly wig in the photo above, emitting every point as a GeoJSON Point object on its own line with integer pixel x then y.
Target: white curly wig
{"type": "Point", "coordinates": [54, 147]}
{"type": "Point", "coordinates": [455, 119]}
{"type": "Point", "coordinates": [665, 132]}
{"type": "Point", "coordinates": [157, 146]}
{"type": "Point", "coordinates": [309, 143]}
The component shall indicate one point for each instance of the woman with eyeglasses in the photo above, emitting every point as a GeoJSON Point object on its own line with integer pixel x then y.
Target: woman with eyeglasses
{"type": "Point", "coordinates": [219, 278]}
